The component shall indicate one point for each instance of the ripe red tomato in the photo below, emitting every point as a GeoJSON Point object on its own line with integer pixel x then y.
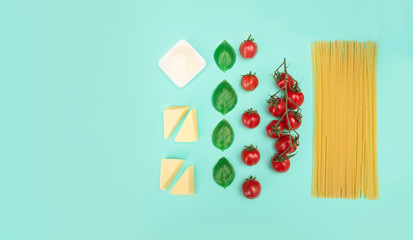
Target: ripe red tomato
{"type": "Point", "coordinates": [286, 144]}
{"type": "Point", "coordinates": [249, 82]}
{"type": "Point", "coordinates": [251, 188]}
{"type": "Point", "coordinates": [275, 129]}
{"type": "Point", "coordinates": [248, 48]}
{"type": "Point", "coordinates": [280, 163]}
{"type": "Point", "coordinates": [295, 100]}
{"type": "Point", "coordinates": [276, 106]}
{"type": "Point", "coordinates": [294, 118]}
{"type": "Point", "coordinates": [280, 80]}
{"type": "Point", "coordinates": [250, 118]}
{"type": "Point", "coordinates": [250, 155]}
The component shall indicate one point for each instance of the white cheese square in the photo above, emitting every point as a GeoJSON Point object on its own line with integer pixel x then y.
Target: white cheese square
{"type": "Point", "coordinates": [182, 63]}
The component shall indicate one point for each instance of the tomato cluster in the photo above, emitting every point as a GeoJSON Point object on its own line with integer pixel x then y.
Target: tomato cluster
{"type": "Point", "coordinates": [286, 108]}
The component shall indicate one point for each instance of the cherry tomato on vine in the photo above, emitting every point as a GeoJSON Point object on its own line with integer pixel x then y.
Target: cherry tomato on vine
{"type": "Point", "coordinates": [294, 118]}
{"type": "Point", "coordinates": [249, 82]}
{"type": "Point", "coordinates": [286, 144]}
{"type": "Point", "coordinates": [275, 129]}
{"type": "Point", "coordinates": [251, 188]}
{"type": "Point", "coordinates": [296, 99]}
{"type": "Point", "coordinates": [250, 118]}
{"type": "Point", "coordinates": [250, 155]}
{"type": "Point", "coordinates": [276, 106]}
{"type": "Point", "coordinates": [280, 80]}
{"type": "Point", "coordinates": [280, 163]}
{"type": "Point", "coordinates": [248, 48]}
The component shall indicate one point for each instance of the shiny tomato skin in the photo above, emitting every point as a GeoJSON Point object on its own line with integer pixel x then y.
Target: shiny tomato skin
{"type": "Point", "coordinates": [250, 119]}
{"type": "Point", "coordinates": [281, 83]}
{"type": "Point", "coordinates": [251, 188]}
{"type": "Point", "coordinates": [285, 145]}
{"type": "Point", "coordinates": [295, 99]}
{"type": "Point", "coordinates": [250, 156]}
{"type": "Point", "coordinates": [279, 109]}
{"type": "Point", "coordinates": [272, 124]}
{"type": "Point", "coordinates": [295, 121]}
{"type": "Point", "coordinates": [281, 167]}
{"type": "Point", "coordinates": [248, 49]}
{"type": "Point", "coordinates": [249, 82]}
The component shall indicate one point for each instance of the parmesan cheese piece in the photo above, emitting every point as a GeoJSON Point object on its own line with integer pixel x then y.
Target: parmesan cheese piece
{"type": "Point", "coordinates": [185, 184]}
{"type": "Point", "coordinates": [171, 118]}
{"type": "Point", "coordinates": [169, 169]}
{"type": "Point", "coordinates": [189, 129]}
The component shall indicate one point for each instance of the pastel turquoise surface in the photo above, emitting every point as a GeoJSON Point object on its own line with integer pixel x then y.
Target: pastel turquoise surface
{"type": "Point", "coordinates": [81, 104]}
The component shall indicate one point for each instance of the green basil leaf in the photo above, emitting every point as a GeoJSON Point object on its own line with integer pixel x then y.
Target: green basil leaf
{"type": "Point", "coordinates": [223, 172]}
{"type": "Point", "coordinates": [224, 56]}
{"type": "Point", "coordinates": [223, 135]}
{"type": "Point", "coordinates": [224, 97]}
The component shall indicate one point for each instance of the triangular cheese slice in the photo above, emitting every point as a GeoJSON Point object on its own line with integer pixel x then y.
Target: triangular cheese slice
{"type": "Point", "coordinates": [185, 184]}
{"type": "Point", "coordinates": [169, 169]}
{"type": "Point", "coordinates": [171, 118]}
{"type": "Point", "coordinates": [189, 129]}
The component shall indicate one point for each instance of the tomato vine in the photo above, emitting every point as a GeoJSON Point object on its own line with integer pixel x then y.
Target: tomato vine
{"type": "Point", "coordinates": [287, 83]}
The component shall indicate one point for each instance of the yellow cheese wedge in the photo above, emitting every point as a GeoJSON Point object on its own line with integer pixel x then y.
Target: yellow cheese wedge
{"type": "Point", "coordinates": [171, 117]}
{"type": "Point", "coordinates": [189, 129]}
{"type": "Point", "coordinates": [185, 184]}
{"type": "Point", "coordinates": [169, 169]}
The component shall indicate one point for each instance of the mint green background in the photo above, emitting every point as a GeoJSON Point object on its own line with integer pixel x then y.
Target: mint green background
{"type": "Point", "coordinates": [81, 101]}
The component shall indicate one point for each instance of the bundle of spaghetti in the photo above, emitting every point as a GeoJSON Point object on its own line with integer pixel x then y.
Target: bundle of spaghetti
{"type": "Point", "coordinates": [345, 119]}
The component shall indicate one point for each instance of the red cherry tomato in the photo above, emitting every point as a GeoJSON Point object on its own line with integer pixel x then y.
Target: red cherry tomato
{"type": "Point", "coordinates": [294, 118]}
{"type": "Point", "coordinates": [250, 118]}
{"type": "Point", "coordinates": [295, 100]}
{"type": "Point", "coordinates": [286, 144]}
{"type": "Point", "coordinates": [249, 82]}
{"type": "Point", "coordinates": [251, 188]}
{"type": "Point", "coordinates": [250, 155]}
{"type": "Point", "coordinates": [275, 129]}
{"type": "Point", "coordinates": [280, 163]}
{"type": "Point", "coordinates": [248, 48]}
{"type": "Point", "coordinates": [276, 106]}
{"type": "Point", "coordinates": [280, 80]}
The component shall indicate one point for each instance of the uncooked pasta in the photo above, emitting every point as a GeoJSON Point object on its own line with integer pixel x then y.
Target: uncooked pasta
{"type": "Point", "coordinates": [345, 121]}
